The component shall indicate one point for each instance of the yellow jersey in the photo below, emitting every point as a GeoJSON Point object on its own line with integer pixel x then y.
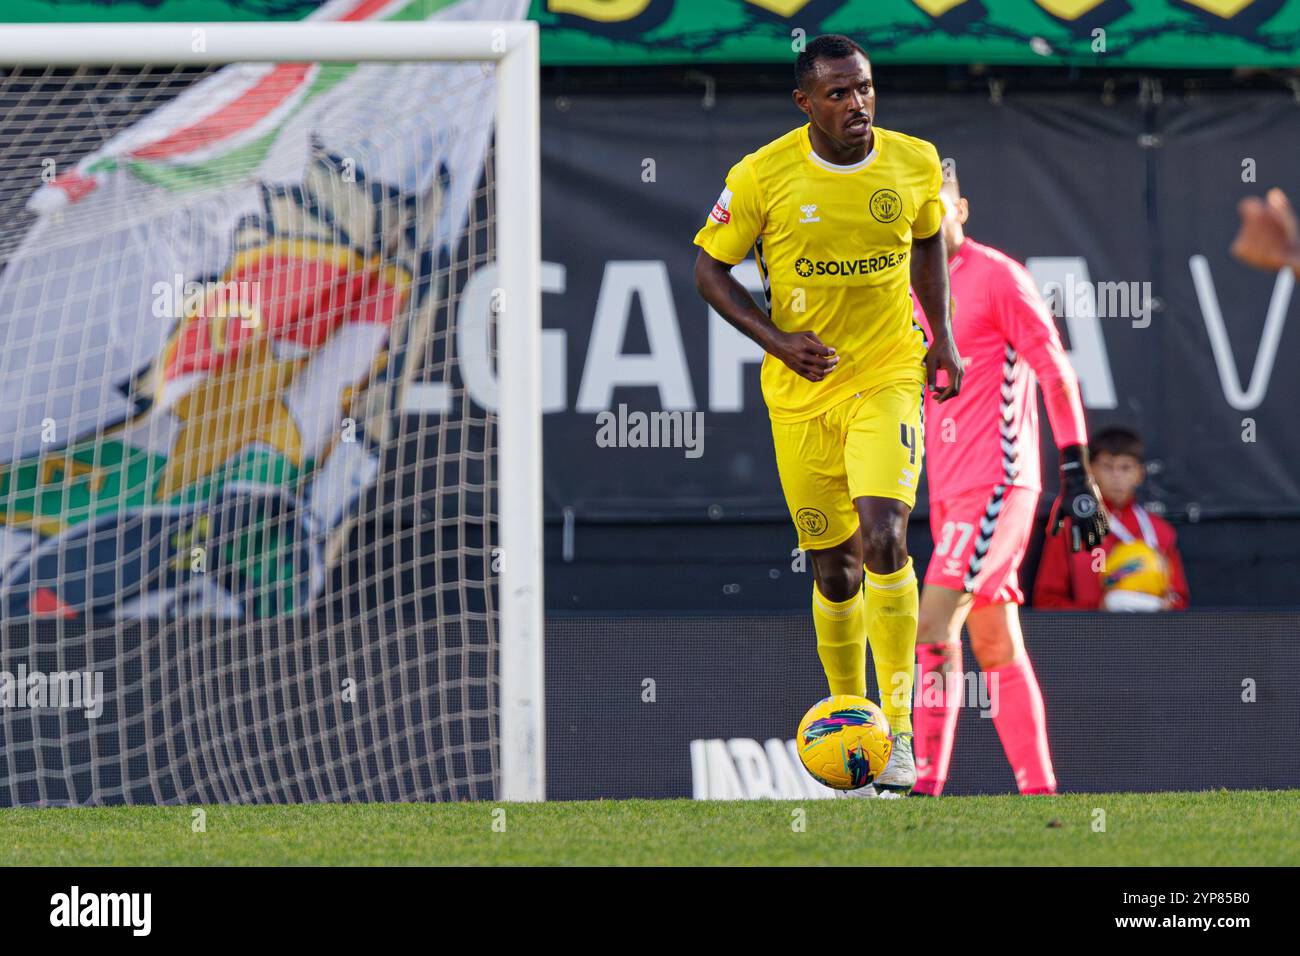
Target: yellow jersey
{"type": "Point", "coordinates": [833, 245]}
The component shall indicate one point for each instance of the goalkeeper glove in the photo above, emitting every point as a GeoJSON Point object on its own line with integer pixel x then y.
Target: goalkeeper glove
{"type": "Point", "coordinates": [1080, 501]}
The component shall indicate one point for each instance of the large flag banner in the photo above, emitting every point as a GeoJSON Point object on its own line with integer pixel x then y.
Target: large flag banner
{"type": "Point", "coordinates": [203, 328]}
{"type": "Point", "coordinates": [1194, 34]}
{"type": "Point", "coordinates": [1189, 34]}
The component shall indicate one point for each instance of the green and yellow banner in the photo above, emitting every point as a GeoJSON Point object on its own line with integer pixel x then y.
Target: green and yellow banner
{"type": "Point", "coordinates": [1151, 33]}
{"type": "Point", "coordinates": [1186, 34]}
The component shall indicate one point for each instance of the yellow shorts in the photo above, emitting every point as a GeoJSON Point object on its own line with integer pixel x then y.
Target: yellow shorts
{"type": "Point", "coordinates": [872, 444]}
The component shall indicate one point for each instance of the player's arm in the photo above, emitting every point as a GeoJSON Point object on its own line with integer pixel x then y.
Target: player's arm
{"type": "Point", "coordinates": [929, 274]}
{"type": "Point", "coordinates": [1029, 328]}
{"type": "Point", "coordinates": [802, 352]}
{"type": "Point", "coordinates": [737, 220]}
{"type": "Point", "coordinates": [929, 265]}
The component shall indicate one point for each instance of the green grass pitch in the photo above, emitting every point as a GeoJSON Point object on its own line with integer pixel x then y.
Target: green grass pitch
{"type": "Point", "coordinates": [1172, 829]}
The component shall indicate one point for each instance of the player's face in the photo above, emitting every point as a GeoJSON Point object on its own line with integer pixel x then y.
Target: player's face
{"type": "Point", "coordinates": [955, 214]}
{"type": "Point", "coordinates": [1118, 476]}
{"type": "Point", "coordinates": [841, 101]}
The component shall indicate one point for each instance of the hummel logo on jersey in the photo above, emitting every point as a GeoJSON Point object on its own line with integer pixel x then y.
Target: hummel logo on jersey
{"type": "Point", "coordinates": [721, 209]}
{"type": "Point", "coordinates": [808, 209]}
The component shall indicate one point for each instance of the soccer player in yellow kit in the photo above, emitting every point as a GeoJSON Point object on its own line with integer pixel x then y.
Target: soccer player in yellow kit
{"type": "Point", "coordinates": [841, 215]}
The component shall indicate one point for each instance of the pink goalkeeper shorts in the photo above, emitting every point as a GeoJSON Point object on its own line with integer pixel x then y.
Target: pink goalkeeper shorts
{"type": "Point", "coordinates": [980, 537]}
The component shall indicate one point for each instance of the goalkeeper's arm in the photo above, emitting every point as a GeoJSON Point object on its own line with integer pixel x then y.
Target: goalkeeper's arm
{"type": "Point", "coordinates": [1029, 327]}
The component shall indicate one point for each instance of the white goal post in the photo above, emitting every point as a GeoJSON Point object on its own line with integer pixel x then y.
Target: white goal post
{"type": "Point", "coordinates": [513, 46]}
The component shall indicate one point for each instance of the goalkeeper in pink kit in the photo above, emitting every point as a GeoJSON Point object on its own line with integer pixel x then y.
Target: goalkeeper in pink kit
{"type": "Point", "coordinates": [981, 452]}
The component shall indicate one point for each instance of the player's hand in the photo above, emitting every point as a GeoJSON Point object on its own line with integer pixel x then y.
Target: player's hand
{"type": "Point", "coordinates": [805, 354]}
{"type": "Point", "coordinates": [1080, 501]}
{"type": "Point", "coordinates": [1270, 235]}
{"type": "Point", "coordinates": [943, 355]}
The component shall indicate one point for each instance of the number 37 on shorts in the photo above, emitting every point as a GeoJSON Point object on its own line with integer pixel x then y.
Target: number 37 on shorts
{"type": "Point", "coordinates": [869, 445]}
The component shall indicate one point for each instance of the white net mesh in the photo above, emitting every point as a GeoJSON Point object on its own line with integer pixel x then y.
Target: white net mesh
{"type": "Point", "coordinates": [243, 489]}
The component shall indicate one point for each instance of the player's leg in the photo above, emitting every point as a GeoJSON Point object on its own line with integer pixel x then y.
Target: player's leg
{"type": "Point", "coordinates": [882, 453]}
{"type": "Point", "coordinates": [839, 616]}
{"type": "Point", "coordinates": [997, 642]}
{"type": "Point", "coordinates": [1015, 699]}
{"type": "Point", "coordinates": [939, 666]}
{"type": "Point", "coordinates": [892, 604]}
{"type": "Point", "coordinates": [945, 602]}
{"type": "Point", "coordinates": [811, 465]}
{"type": "Point", "coordinates": [892, 608]}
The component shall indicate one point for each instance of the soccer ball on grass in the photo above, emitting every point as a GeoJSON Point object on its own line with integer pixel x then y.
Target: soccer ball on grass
{"type": "Point", "coordinates": [844, 742]}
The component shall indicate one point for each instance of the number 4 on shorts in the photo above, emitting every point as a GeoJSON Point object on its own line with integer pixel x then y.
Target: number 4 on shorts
{"type": "Point", "coordinates": [907, 434]}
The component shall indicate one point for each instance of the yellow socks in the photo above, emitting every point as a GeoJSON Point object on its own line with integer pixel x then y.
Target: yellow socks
{"type": "Point", "coordinates": [885, 613]}
{"type": "Point", "coordinates": [891, 604]}
{"type": "Point", "coordinates": [842, 640]}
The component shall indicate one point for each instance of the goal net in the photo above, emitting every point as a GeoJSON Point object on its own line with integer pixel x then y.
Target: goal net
{"type": "Point", "coordinates": [269, 418]}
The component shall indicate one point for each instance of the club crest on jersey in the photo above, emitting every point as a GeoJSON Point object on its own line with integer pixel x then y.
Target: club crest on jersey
{"type": "Point", "coordinates": [886, 205]}
{"type": "Point", "coordinates": [721, 209]}
{"type": "Point", "coordinates": [811, 521]}
{"type": "Point", "coordinates": [808, 209]}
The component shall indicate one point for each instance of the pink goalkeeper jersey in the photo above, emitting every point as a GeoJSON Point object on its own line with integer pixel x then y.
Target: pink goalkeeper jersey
{"type": "Point", "coordinates": [988, 435]}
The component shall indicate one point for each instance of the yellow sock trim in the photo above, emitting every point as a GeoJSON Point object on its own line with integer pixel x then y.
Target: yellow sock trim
{"type": "Point", "coordinates": [892, 607]}
{"type": "Point", "coordinates": [894, 580]}
{"type": "Point", "coordinates": [842, 642]}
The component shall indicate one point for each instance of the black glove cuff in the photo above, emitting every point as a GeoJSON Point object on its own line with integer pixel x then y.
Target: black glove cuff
{"type": "Point", "coordinates": [1074, 456]}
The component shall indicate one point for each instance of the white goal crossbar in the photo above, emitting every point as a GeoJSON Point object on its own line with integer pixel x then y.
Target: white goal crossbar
{"type": "Point", "coordinates": [514, 47]}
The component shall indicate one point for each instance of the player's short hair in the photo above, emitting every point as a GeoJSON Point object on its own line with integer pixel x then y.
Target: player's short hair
{"type": "Point", "coordinates": [1117, 440]}
{"type": "Point", "coordinates": [829, 46]}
